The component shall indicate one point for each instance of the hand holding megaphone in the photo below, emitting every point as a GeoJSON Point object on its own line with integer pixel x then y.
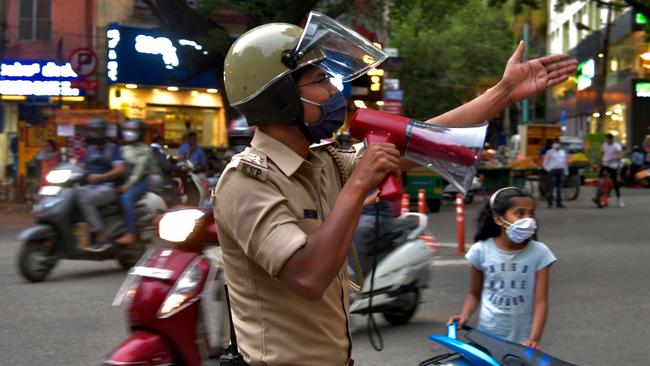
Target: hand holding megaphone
{"type": "Point", "coordinates": [452, 152]}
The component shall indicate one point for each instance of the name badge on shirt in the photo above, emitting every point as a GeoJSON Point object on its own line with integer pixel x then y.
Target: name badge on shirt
{"type": "Point", "coordinates": [310, 214]}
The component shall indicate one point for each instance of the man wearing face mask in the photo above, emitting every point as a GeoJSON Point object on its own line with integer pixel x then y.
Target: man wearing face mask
{"type": "Point", "coordinates": [287, 207]}
{"type": "Point", "coordinates": [555, 164]}
{"type": "Point", "coordinates": [104, 165]}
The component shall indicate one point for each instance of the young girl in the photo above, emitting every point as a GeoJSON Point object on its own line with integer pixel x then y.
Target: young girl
{"type": "Point", "coordinates": [510, 270]}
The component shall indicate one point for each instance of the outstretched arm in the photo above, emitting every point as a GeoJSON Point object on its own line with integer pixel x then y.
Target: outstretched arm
{"type": "Point", "coordinates": [520, 81]}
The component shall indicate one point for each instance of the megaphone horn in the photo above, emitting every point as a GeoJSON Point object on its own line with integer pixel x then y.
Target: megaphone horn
{"type": "Point", "coordinates": [453, 152]}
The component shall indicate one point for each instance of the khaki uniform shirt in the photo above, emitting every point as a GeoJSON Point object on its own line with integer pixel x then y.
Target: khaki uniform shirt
{"type": "Point", "coordinates": [267, 202]}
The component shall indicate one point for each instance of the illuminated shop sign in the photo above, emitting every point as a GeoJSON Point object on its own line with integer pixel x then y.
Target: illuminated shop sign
{"type": "Point", "coordinates": [150, 57]}
{"type": "Point", "coordinates": [586, 72]}
{"type": "Point", "coordinates": [642, 89]}
{"type": "Point", "coordinates": [37, 78]}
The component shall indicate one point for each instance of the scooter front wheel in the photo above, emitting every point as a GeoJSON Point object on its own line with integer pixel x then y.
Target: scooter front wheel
{"type": "Point", "coordinates": [127, 257]}
{"type": "Point", "coordinates": [409, 304]}
{"type": "Point", "coordinates": [36, 260]}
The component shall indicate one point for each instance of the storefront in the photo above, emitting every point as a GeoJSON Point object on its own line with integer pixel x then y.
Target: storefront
{"type": "Point", "coordinates": [627, 89]}
{"type": "Point", "coordinates": [30, 91]}
{"type": "Point", "coordinates": [149, 80]}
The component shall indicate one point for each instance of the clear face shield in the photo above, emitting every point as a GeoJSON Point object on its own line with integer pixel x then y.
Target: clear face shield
{"type": "Point", "coordinates": [343, 53]}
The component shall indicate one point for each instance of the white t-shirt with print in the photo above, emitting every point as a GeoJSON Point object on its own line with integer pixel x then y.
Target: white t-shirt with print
{"type": "Point", "coordinates": [508, 295]}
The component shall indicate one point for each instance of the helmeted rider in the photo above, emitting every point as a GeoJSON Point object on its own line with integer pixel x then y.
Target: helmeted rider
{"type": "Point", "coordinates": [104, 165]}
{"type": "Point", "coordinates": [286, 211]}
{"type": "Point", "coordinates": [139, 162]}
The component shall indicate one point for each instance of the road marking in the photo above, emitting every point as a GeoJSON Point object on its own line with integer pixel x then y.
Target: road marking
{"type": "Point", "coordinates": [447, 245]}
{"type": "Point", "coordinates": [450, 262]}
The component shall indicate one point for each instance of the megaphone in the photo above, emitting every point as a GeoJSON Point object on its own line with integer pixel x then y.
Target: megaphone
{"type": "Point", "coordinates": [453, 152]}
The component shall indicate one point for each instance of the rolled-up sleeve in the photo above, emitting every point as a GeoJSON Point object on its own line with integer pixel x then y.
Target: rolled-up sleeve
{"type": "Point", "coordinates": [258, 218]}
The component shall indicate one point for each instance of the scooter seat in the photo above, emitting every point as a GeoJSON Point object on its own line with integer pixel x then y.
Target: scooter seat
{"type": "Point", "coordinates": [402, 225]}
{"type": "Point", "coordinates": [111, 209]}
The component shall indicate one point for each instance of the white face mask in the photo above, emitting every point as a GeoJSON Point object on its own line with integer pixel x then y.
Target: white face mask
{"type": "Point", "coordinates": [556, 146]}
{"type": "Point", "coordinates": [521, 230]}
{"type": "Point", "coordinates": [130, 136]}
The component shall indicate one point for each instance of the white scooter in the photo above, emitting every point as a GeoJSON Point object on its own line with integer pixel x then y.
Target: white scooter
{"type": "Point", "coordinates": [402, 270]}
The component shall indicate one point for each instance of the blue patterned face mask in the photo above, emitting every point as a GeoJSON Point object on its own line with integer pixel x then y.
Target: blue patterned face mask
{"type": "Point", "coordinates": [521, 230]}
{"type": "Point", "coordinates": [333, 117]}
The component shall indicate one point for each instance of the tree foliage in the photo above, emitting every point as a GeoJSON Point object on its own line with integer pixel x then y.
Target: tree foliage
{"type": "Point", "coordinates": [452, 51]}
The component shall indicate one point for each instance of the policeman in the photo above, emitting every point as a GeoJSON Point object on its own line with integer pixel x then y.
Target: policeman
{"type": "Point", "coordinates": [286, 211]}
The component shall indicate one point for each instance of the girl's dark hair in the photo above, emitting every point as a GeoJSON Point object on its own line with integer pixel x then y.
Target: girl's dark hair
{"type": "Point", "coordinates": [498, 204]}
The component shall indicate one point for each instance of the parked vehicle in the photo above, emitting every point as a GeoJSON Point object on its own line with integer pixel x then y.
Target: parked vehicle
{"type": "Point", "coordinates": [484, 349]}
{"type": "Point", "coordinates": [450, 191]}
{"type": "Point", "coordinates": [403, 270]}
{"type": "Point", "coordinates": [177, 307]}
{"type": "Point", "coordinates": [60, 231]}
{"type": "Point", "coordinates": [432, 183]}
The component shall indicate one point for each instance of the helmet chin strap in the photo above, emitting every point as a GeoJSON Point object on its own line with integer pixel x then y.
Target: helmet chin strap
{"type": "Point", "coordinates": [305, 131]}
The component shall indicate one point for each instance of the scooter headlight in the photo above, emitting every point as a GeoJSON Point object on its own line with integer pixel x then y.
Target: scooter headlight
{"type": "Point", "coordinates": [183, 293]}
{"type": "Point", "coordinates": [177, 226]}
{"type": "Point", "coordinates": [58, 176]}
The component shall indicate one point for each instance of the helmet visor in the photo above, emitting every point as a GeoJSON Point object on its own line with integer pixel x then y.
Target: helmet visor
{"type": "Point", "coordinates": [347, 54]}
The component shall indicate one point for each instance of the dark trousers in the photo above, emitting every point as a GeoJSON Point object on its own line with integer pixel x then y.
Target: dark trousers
{"type": "Point", "coordinates": [613, 173]}
{"type": "Point", "coordinates": [555, 178]}
{"type": "Point", "coordinates": [128, 200]}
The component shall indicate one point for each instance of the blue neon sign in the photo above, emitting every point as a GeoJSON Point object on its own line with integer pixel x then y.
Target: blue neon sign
{"type": "Point", "coordinates": [151, 57]}
{"type": "Point", "coordinates": [37, 78]}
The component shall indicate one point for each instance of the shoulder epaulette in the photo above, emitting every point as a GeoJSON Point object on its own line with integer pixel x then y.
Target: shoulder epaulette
{"type": "Point", "coordinates": [323, 142]}
{"type": "Point", "coordinates": [254, 165]}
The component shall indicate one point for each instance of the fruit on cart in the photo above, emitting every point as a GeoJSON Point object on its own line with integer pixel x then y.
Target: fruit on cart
{"type": "Point", "coordinates": [524, 163]}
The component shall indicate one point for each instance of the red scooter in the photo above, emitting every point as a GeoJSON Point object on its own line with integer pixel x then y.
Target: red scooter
{"type": "Point", "coordinates": [170, 294]}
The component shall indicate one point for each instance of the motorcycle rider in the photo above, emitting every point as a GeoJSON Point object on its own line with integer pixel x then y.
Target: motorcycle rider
{"type": "Point", "coordinates": [139, 160]}
{"type": "Point", "coordinates": [285, 212]}
{"type": "Point", "coordinates": [191, 151]}
{"type": "Point", "coordinates": [104, 165]}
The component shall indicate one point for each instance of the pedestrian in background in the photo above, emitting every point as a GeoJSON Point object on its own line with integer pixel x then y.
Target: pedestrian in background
{"type": "Point", "coordinates": [49, 158]}
{"type": "Point", "coordinates": [556, 166]}
{"type": "Point", "coordinates": [611, 155]}
{"type": "Point", "coordinates": [509, 270]}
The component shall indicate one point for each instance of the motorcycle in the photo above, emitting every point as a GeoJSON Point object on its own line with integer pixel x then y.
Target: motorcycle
{"type": "Point", "coordinates": [170, 295]}
{"type": "Point", "coordinates": [643, 176]}
{"type": "Point", "coordinates": [605, 186]}
{"type": "Point", "coordinates": [403, 269]}
{"type": "Point", "coordinates": [484, 349]}
{"type": "Point", "coordinates": [177, 184]}
{"type": "Point", "coordinates": [60, 231]}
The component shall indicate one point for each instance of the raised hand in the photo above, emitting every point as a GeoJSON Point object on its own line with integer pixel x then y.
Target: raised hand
{"type": "Point", "coordinates": [531, 77]}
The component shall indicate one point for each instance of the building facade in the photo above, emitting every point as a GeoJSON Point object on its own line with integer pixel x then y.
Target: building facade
{"type": "Point", "coordinates": [581, 30]}
{"type": "Point", "coordinates": [57, 54]}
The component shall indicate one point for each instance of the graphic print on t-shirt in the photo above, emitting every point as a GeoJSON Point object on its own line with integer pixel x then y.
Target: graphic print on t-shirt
{"type": "Point", "coordinates": [507, 284]}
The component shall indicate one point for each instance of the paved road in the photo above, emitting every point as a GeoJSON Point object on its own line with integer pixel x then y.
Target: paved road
{"type": "Point", "coordinates": [599, 302]}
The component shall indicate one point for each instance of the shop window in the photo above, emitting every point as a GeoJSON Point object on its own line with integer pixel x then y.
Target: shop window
{"type": "Point", "coordinates": [35, 20]}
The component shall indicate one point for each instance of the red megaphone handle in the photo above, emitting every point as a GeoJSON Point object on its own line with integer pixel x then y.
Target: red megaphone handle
{"type": "Point", "coordinates": [389, 189]}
